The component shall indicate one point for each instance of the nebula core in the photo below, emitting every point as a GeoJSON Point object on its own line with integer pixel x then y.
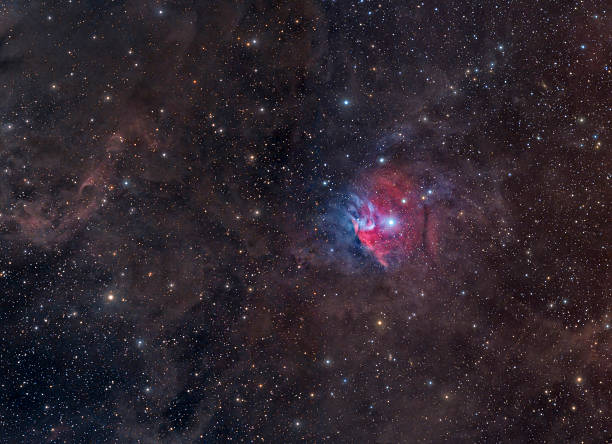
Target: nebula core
{"type": "Point", "coordinates": [389, 216]}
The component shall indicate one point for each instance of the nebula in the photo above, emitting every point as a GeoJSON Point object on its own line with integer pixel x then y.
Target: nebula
{"type": "Point", "coordinates": [389, 216]}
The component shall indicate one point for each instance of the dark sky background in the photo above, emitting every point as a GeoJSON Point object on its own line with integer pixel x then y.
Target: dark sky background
{"type": "Point", "coordinates": [179, 253]}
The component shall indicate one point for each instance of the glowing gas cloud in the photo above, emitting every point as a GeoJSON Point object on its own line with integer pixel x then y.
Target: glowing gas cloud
{"type": "Point", "coordinates": [389, 215]}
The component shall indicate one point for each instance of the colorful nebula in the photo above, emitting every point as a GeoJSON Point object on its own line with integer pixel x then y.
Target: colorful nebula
{"type": "Point", "coordinates": [389, 216]}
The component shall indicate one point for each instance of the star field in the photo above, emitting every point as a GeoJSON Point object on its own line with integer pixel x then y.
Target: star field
{"type": "Point", "coordinates": [341, 221]}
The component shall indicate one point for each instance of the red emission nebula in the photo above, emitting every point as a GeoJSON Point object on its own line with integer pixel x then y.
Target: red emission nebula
{"type": "Point", "coordinates": [392, 218]}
